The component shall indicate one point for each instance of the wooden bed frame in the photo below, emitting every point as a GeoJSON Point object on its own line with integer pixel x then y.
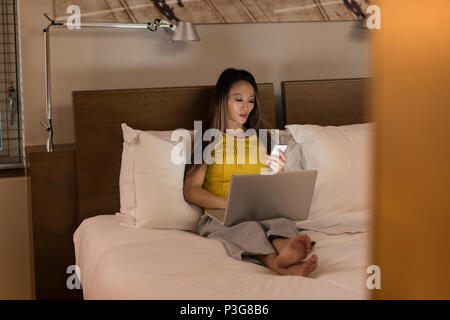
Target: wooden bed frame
{"type": "Point", "coordinates": [333, 102]}
{"type": "Point", "coordinates": [97, 152]}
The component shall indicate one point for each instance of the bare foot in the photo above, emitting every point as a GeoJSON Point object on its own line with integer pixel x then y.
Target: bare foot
{"type": "Point", "coordinates": [295, 251]}
{"type": "Point", "coordinates": [303, 268]}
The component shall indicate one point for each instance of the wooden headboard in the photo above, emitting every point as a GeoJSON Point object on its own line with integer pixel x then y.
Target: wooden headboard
{"type": "Point", "coordinates": [98, 134]}
{"type": "Point", "coordinates": [325, 102]}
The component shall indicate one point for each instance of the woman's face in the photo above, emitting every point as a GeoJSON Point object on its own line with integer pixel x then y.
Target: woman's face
{"type": "Point", "coordinates": [241, 100]}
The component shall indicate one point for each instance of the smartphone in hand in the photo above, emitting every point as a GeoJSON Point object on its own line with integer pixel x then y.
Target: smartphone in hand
{"type": "Point", "coordinates": [275, 150]}
{"type": "Point", "coordinates": [275, 153]}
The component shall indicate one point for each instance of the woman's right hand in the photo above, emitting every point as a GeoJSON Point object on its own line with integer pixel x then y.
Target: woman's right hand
{"type": "Point", "coordinates": [276, 163]}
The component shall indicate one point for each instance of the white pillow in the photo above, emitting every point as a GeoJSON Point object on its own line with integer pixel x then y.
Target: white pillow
{"type": "Point", "coordinates": [342, 155]}
{"type": "Point", "coordinates": [151, 184]}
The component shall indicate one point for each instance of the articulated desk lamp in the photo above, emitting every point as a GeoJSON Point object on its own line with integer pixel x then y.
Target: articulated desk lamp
{"type": "Point", "coordinates": [183, 31]}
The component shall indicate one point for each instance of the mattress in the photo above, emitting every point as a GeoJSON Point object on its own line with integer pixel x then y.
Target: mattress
{"type": "Point", "coordinates": [120, 263]}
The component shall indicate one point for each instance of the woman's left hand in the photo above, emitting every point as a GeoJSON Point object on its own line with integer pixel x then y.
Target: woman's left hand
{"type": "Point", "coordinates": [277, 163]}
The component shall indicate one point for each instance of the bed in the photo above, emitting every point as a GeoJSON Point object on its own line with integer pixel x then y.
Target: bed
{"type": "Point", "coordinates": [116, 262]}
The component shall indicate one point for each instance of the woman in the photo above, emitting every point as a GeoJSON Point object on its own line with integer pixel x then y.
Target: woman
{"type": "Point", "coordinates": [275, 243]}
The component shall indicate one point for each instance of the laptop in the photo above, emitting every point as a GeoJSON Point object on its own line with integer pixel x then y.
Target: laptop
{"type": "Point", "coordinates": [256, 197]}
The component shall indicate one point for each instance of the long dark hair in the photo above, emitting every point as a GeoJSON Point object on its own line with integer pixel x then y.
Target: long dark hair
{"type": "Point", "coordinates": [218, 109]}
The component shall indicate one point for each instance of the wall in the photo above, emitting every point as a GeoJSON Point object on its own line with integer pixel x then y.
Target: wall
{"type": "Point", "coordinates": [108, 59]}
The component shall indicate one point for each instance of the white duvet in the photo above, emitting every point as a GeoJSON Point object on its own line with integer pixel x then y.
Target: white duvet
{"type": "Point", "coordinates": [120, 263]}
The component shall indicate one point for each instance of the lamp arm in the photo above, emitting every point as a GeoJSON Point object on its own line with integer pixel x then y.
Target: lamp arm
{"type": "Point", "coordinates": [48, 94]}
{"type": "Point", "coordinates": [157, 23]}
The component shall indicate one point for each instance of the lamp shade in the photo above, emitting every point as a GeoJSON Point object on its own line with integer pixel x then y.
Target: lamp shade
{"type": "Point", "coordinates": [185, 31]}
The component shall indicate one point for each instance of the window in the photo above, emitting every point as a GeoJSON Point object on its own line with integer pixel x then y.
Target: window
{"type": "Point", "coordinates": [11, 115]}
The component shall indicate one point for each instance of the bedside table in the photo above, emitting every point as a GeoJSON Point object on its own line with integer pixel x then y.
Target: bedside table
{"type": "Point", "coordinates": [53, 190]}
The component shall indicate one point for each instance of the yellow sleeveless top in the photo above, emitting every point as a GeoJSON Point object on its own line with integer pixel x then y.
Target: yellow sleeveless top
{"type": "Point", "coordinates": [233, 155]}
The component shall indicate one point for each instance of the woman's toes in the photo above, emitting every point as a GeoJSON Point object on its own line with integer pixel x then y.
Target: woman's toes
{"type": "Point", "coordinates": [305, 240]}
{"type": "Point", "coordinates": [306, 268]}
{"type": "Point", "coordinates": [308, 241]}
{"type": "Point", "coordinates": [308, 245]}
{"type": "Point", "coordinates": [315, 262]}
{"type": "Point", "coordinates": [302, 236]}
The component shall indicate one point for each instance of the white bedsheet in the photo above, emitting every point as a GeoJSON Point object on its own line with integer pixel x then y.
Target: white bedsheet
{"type": "Point", "coordinates": [120, 263]}
{"type": "Point", "coordinates": [348, 222]}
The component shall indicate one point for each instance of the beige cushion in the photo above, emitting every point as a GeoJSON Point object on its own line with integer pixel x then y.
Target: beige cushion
{"type": "Point", "coordinates": [293, 152]}
{"type": "Point", "coordinates": [342, 156]}
{"type": "Point", "coordinates": [151, 184]}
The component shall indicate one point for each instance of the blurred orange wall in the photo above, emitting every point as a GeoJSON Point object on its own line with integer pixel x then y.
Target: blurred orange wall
{"type": "Point", "coordinates": [411, 108]}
